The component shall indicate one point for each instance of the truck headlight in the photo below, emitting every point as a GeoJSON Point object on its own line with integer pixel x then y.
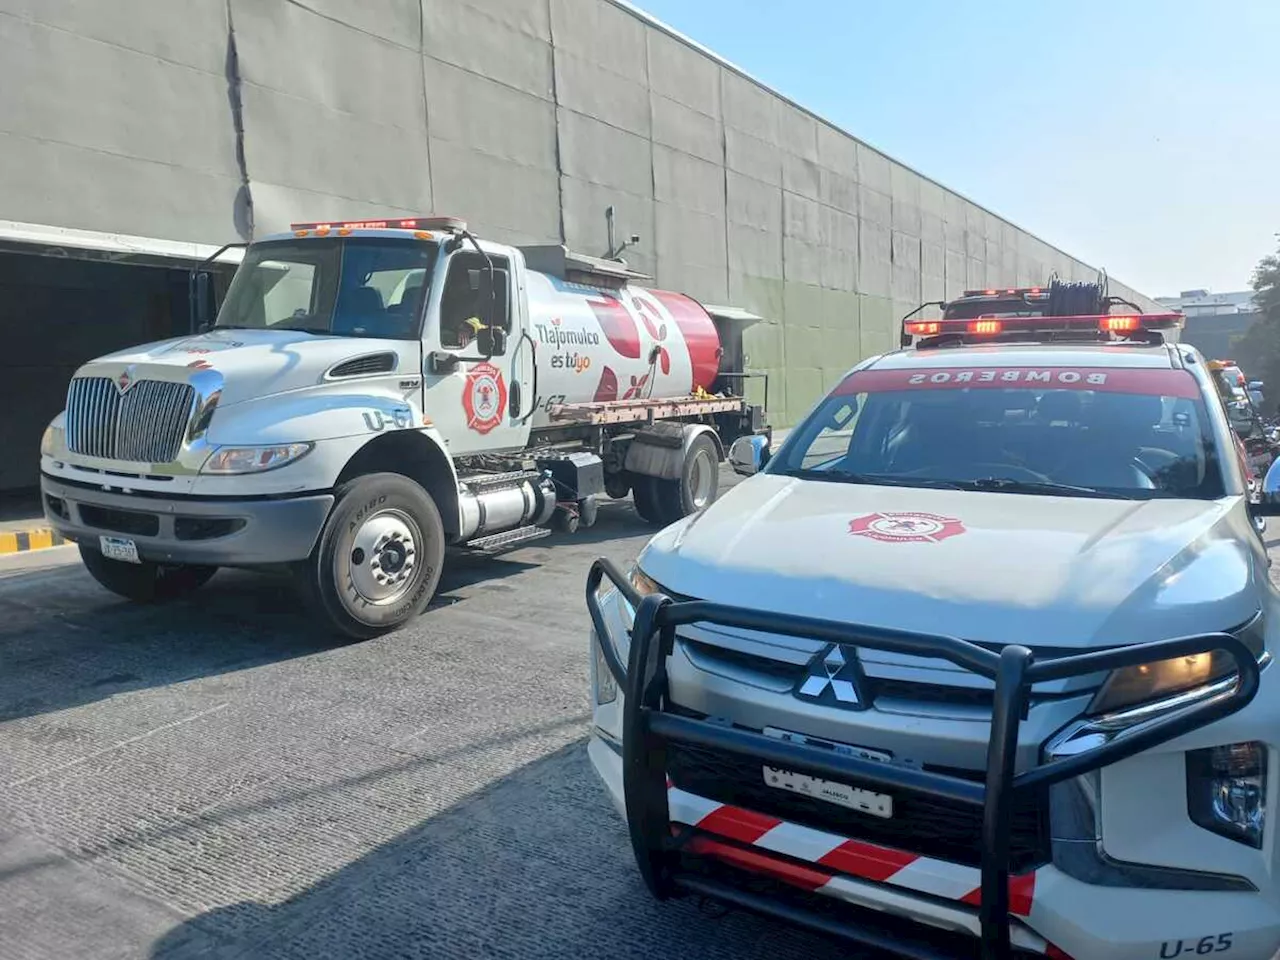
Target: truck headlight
{"type": "Point", "coordinates": [54, 440]}
{"type": "Point", "coordinates": [1147, 682]}
{"type": "Point", "coordinates": [1227, 789]}
{"type": "Point", "coordinates": [234, 460]}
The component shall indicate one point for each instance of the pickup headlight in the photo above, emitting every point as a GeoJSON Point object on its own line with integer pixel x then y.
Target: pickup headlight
{"type": "Point", "coordinates": [47, 442]}
{"type": "Point", "coordinates": [1147, 682]}
{"type": "Point", "coordinates": [236, 460]}
{"type": "Point", "coordinates": [619, 615]}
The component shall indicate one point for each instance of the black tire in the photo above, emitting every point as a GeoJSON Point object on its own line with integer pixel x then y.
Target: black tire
{"type": "Point", "coordinates": [564, 520]}
{"type": "Point", "coordinates": [697, 487]}
{"type": "Point", "coordinates": [644, 491]}
{"type": "Point", "coordinates": [145, 582]}
{"type": "Point", "coordinates": [378, 561]}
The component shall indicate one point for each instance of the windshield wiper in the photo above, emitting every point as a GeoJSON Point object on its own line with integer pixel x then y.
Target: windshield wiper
{"type": "Point", "coordinates": [874, 479]}
{"type": "Point", "coordinates": [1051, 487]}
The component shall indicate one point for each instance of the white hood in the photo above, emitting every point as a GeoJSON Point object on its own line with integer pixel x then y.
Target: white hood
{"type": "Point", "coordinates": [255, 363]}
{"type": "Point", "coordinates": [1043, 571]}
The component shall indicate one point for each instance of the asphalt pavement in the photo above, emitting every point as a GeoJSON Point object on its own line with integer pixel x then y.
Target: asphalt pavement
{"type": "Point", "coordinates": [219, 779]}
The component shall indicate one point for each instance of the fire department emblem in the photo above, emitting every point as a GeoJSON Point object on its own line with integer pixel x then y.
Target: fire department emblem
{"type": "Point", "coordinates": [906, 527]}
{"type": "Point", "coordinates": [125, 380]}
{"type": "Point", "coordinates": [484, 397]}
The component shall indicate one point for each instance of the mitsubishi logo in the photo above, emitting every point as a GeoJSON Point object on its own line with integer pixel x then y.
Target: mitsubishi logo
{"type": "Point", "coordinates": [125, 380]}
{"type": "Point", "coordinates": [834, 679]}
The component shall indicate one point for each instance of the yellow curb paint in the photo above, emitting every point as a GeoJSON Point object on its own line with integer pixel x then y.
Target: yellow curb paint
{"type": "Point", "coordinates": [35, 538]}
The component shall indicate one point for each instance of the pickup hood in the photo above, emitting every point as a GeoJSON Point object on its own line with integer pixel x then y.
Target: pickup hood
{"type": "Point", "coordinates": [254, 363]}
{"type": "Point", "coordinates": [989, 567]}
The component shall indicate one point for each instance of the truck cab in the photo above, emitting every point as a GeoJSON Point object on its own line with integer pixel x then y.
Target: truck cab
{"type": "Point", "coordinates": [371, 392]}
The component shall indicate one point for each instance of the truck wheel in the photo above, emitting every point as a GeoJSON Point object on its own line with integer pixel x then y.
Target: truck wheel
{"type": "Point", "coordinates": [697, 486]}
{"type": "Point", "coordinates": [644, 491]}
{"type": "Point", "coordinates": [379, 558]}
{"type": "Point", "coordinates": [145, 582]}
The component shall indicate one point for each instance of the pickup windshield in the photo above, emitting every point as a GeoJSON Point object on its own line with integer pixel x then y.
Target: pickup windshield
{"type": "Point", "coordinates": [1102, 432]}
{"type": "Point", "coordinates": [358, 287]}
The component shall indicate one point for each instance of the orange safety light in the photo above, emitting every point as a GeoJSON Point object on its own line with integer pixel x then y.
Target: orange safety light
{"type": "Point", "coordinates": [985, 326]}
{"type": "Point", "coordinates": [1119, 324]}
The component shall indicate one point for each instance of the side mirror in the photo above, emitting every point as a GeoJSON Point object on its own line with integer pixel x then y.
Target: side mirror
{"type": "Point", "coordinates": [198, 300]}
{"type": "Point", "coordinates": [748, 455]}
{"type": "Point", "coordinates": [1268, 502]}
{"type": "Point", "coordinates": [440, 362]}
{"type": "Point", "coordinates": [492, 341]}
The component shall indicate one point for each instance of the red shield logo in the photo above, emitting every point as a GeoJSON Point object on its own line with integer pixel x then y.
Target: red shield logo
{"type": "Point", "coordinates": [125, 380]}
{"type": "Point", "coordinates": [906, 527]}
{"type": "Point", "coordinates": [484, 397]}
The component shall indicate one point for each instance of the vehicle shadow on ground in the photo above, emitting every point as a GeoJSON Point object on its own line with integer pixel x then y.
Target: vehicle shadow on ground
{"type": "Point", "coordinates": [535, 866]}
{"type": "Point", "coordinates": [65, 642]}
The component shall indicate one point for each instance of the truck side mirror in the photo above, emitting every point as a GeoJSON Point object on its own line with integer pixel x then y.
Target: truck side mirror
{"type": "Point", "coordinates": [748, 455]}
{"type": "Point", "coordinates": [492, 341]}
{"type": "Point", "coordinates": [198, 300]}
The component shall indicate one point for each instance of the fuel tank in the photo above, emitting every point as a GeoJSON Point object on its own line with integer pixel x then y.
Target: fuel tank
{"type": "Point", "coordinates": [625, 343]}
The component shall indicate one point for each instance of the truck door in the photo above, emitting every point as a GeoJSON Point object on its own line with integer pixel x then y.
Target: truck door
{"type": "Point", "coordinates": [480, 400]}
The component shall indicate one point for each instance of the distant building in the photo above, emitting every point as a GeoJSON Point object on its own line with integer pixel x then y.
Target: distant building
{"type": "Point", "coordinates": [1215, 320]}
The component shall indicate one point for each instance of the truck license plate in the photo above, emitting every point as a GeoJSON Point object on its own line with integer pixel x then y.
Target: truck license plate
{"type": "Point", "coordinates": [119, 548]}
{"type": "Point", "coordinates": [854, 798]}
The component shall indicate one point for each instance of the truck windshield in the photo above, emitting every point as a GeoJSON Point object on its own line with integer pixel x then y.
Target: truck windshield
{"type": "Point", "coordinates": [1100, 432]}
{"type": "Point", "coordinates": [358, 287]}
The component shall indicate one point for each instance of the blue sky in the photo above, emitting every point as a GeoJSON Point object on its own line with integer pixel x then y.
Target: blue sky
{"type": "Point", "coordinates": [1139, 135]}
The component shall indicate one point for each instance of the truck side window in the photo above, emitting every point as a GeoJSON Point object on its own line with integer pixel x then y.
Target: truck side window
{"type": "Point", "coordinates": [461, 311]}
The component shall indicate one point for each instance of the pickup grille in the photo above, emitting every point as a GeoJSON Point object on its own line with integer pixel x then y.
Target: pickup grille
{"type": "Point", "coordinates": [144, 424]}
{"type": "Point", "coordinates": [920, 824]}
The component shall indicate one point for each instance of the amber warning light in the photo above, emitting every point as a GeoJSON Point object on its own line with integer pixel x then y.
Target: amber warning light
{"type": "Point", "coordinates": [448, 224]}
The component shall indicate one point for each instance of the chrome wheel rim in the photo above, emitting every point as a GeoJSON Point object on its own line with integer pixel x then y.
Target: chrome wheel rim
{"type": "Point", "coordinates": [701, 476]}
{"type": "Point", "coordinates": [383, 556]}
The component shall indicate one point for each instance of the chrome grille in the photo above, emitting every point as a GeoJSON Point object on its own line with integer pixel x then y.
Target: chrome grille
{"type": "Point", "coordinates": [145, 424]}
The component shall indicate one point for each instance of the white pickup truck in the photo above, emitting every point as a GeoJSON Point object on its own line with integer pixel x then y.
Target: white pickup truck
{"type": "Point", "coordinates": [976, 664]}
{"type": "Point", "coordinates": [374, 391]}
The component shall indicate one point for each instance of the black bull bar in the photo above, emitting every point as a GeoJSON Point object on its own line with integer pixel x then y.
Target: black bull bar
{"type": "Point", "coordinates": [647, 727]}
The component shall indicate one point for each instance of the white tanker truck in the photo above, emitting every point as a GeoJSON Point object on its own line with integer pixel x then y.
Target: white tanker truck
{"type": "Point", "coordinates": [374, 391]}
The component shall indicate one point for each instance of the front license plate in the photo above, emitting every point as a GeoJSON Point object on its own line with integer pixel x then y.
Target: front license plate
{"type": "Point", "coordinates": [119, 548]}
{"type": "Point", "coordinates": [854, 798]}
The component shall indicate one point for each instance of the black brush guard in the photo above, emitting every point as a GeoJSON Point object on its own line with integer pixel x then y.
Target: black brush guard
{"type": "Point", "coordinates": [647, 728]}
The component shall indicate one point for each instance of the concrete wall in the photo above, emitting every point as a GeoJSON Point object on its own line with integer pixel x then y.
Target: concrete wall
{"type": "Point", "coordinates": [198, 120]}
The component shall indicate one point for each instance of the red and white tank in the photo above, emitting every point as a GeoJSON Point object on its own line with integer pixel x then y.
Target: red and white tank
{"type": "Point", "coordinates": [634, 343]}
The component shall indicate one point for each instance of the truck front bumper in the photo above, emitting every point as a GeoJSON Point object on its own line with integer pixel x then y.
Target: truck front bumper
{"type": "Point", "coordinates": [687, 840]}
{"type": "Point", "coordinates": [224, 533]}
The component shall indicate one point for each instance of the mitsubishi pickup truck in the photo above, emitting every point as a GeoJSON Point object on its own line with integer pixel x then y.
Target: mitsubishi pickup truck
{"type": "Point", "coordinates": [975, 664]}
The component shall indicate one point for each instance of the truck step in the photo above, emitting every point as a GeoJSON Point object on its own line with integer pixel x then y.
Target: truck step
{"type": "Point", "coordinates": [507, 539]}
{"type": "Point", "coordinates": [487, 481]}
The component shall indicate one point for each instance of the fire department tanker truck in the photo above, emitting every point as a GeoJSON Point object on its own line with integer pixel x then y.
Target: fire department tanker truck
{"type": "Point", "coordinates": [978, 663]}
{"type": "Point", "coordinates": [374, 391]}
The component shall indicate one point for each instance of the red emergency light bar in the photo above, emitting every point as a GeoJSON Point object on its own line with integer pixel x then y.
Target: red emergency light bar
{"type": "Point", "coordinates": [990, 326]}
{"type": "Point", "coordinates": [447, 224]}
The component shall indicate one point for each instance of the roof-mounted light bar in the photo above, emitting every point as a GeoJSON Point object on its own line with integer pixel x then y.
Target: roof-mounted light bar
{"type": "Point", "coordinates": [443, 224]}
{"type": "Point", "coordinates": [1031, 292]}
{"type": "Point", "coordinates": [993, 326]}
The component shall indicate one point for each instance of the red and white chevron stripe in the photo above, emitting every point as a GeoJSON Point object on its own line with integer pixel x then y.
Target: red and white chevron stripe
{"type": "Point", "coordinates": [834, 854]}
